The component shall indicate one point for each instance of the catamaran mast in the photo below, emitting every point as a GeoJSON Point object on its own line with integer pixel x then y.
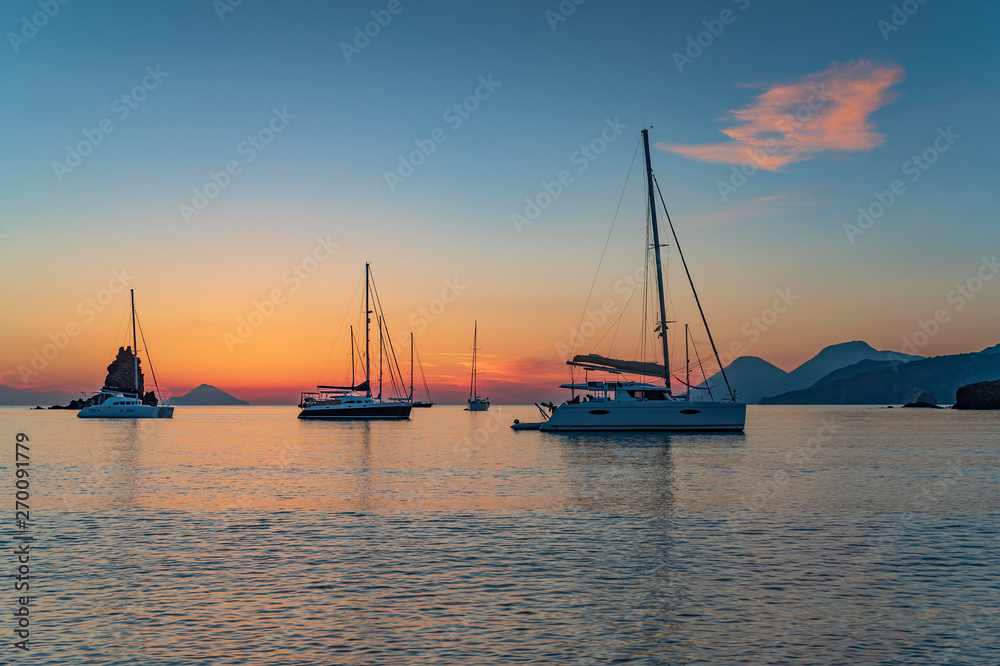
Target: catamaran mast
{"type": "Point", "coordinates": [368, 321]}
{"type": "Point", "coordinates": [472, 385]}
{"type": "Point", "coordinates": [659, 266]}
{"type": "Point", "coordinates": [135, 348]}
{"type": "Point", "coordinates": [687, 363]}
{"type": "Point", "coordinates": [352, 357]}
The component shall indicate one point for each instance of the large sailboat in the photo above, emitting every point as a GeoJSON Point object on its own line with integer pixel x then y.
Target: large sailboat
{"type": "Point", "coordinates": [477, 403]}
{"type": "Point", "coordinates": [617, 401]}
{"type": "Point", "coordinates": [357, 402]}
{"type": "Point", "coordinates": [115, 401]}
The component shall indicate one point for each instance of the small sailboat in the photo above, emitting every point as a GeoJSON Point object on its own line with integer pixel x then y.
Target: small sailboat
{"type": "Point", "coordinates": [477, 403]}
{"type": "Point", "coordinates": [115, 401]}
{"type": "Point", "coordinates": [427, 391]}
{"type": "Point", "coordinates": [620, 403]}
{"type": "Point", "coordinates": [357, 402]}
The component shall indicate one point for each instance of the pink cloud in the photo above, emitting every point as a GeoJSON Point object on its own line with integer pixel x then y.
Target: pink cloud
{"type": "Point", "coordinates": [826, 111]}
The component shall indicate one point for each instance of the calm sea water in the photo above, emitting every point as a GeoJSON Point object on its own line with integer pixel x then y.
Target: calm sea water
{"type": "Point", "coordinates": [245, 536]}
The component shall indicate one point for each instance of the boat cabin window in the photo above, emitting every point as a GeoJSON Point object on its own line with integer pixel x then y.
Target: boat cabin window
{"type": "Point", "coordinates": [648, 394]}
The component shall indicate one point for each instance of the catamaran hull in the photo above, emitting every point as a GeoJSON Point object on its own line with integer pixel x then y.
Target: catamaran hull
{"type": "Point", "coordinates": [647, 416]}
{"type": "Point", "coordinates": [126, 412]}
{"type": "Point", "coordinates": [367, 412]}
{"type": "Point", "coordinates": [477, 406]}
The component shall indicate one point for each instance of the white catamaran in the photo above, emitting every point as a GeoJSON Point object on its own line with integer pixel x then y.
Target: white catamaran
{"type": "Point", "coordinates": [113, 402]}
{"type": "Point", "coordinates": [356, 402]}
{"type": "Point", "coordinates": [477, 403]}
{"type": "Point", "coordinates": [616, 403]}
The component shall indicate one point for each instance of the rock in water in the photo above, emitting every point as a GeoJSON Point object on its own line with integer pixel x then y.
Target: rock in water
{"type": "Point", "coordinates": [121, 372]}
{"type": "Point", "coordinates": [924, 400]}
{"type": "Point", "coordinates": [981, 395]}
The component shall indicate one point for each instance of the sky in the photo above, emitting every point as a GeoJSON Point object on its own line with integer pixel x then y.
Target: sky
{"type": "Point", "coordinates": [830, 168]}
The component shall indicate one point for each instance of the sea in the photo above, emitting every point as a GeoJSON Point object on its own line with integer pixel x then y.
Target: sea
{"type": "Point", "coordinates": [242, 535]}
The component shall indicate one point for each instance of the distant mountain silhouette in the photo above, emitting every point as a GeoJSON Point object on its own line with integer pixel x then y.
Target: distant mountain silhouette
{"type": "Point", "coordinates": [854, 369]}
{"type": "Point", "coordinates": [940, 376]}
{"type": "Point", "coordinates": [16, 397]}
{"type": "Point", "coordinates": [830, 359]}
{"type": "Point", "coordinates": [748, 375]}
{"type": "Point", "coordinates": [206, 395]}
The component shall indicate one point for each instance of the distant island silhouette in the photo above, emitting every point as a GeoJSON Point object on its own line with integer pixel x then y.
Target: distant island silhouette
{"type": "Point", "coordinates": [206, 395]}
{"type": "Point", "coordinates": [854, 373]}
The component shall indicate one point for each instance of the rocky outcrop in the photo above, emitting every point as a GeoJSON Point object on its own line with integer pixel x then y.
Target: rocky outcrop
{"type": "Point", "coordinates": [121, 372]}
{"type": "Point", "coordinates": [925, 401]}
{"type": "Point", "coordinates": [981, 395]}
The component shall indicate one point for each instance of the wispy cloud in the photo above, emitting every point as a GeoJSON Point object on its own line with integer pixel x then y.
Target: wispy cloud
{"type": "Point", "coordinates": [826, 111]}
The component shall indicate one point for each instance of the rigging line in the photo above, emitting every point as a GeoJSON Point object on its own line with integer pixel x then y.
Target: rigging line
{"type": "Point", "coordinates": [607, 241]}
{"type": "Point", "coordinates": [148, 357]}
{"type": "Point", "coordinates": [694, 291]}
{"type": "Point", "coordinates": [384, 327]}
{"type": "Point", "coordinates": [125, 312]}
{"type": "Point", "coordinates": [701, 368]}
{"type": "Point", "coordinates": [339, 330]}
{"type": "Point", "coordinates": [618, 323]}
{"type": "Point", "coordinates": [423, 377]}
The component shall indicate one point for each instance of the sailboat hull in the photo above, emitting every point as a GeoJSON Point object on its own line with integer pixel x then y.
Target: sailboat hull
{"type": "Point", "coordinates": [126, 412]}
{"type": "Point", "coordinates": [378, 411]}
{"type": "Point", "coordinates": [648, 416]}
{"type": "Point", "coordinates": [478, 405]}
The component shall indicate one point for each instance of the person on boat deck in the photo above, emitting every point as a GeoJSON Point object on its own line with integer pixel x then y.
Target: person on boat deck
{"type": "Point", "coordinates": [574, 401]}
{"type": "Point", "coordinates": [588, 398]}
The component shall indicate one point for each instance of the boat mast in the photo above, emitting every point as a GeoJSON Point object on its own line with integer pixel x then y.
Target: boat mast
{"type": "Point", "coordinates": [368, 321]}
{"type": "Point", "coordinates": [352, 357]}
{"type": "Point", "coordinates": [135, 348]}
{"type": "Point", "coordinates": [411, 366]}
{"type": "Point", "coordinates": [659, 265]}
{"type": "Point", "coordinates": [687, 363]}
{"type": "Point", "coordinates": [381, 346]}
{"type": "Point", "coordinates": [472, 385]}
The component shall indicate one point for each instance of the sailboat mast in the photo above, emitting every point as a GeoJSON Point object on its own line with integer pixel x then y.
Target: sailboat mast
{"type": "Point", "coordinates": [368, 321]}
{"type": "Point", "coordinates": [659, 265]}
{"type": "Point", "coordinates": [411, 366]}
{"type": "Point", "coordinates": [352, 357]}
{"type": "Point", "coordinates": [135, 348]}
{"type": "Point", "coordinates": [472, 385]}
{"type": "Point", "coordinates": [687, 363]}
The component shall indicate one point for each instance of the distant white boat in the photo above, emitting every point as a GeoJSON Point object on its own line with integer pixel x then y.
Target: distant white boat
{"type": "Point", "coordinates": [616, 403]}
{"type": "Point", "coordinates": [112, 404]}
{"type": "Point", "coordinates": [477, 403]}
